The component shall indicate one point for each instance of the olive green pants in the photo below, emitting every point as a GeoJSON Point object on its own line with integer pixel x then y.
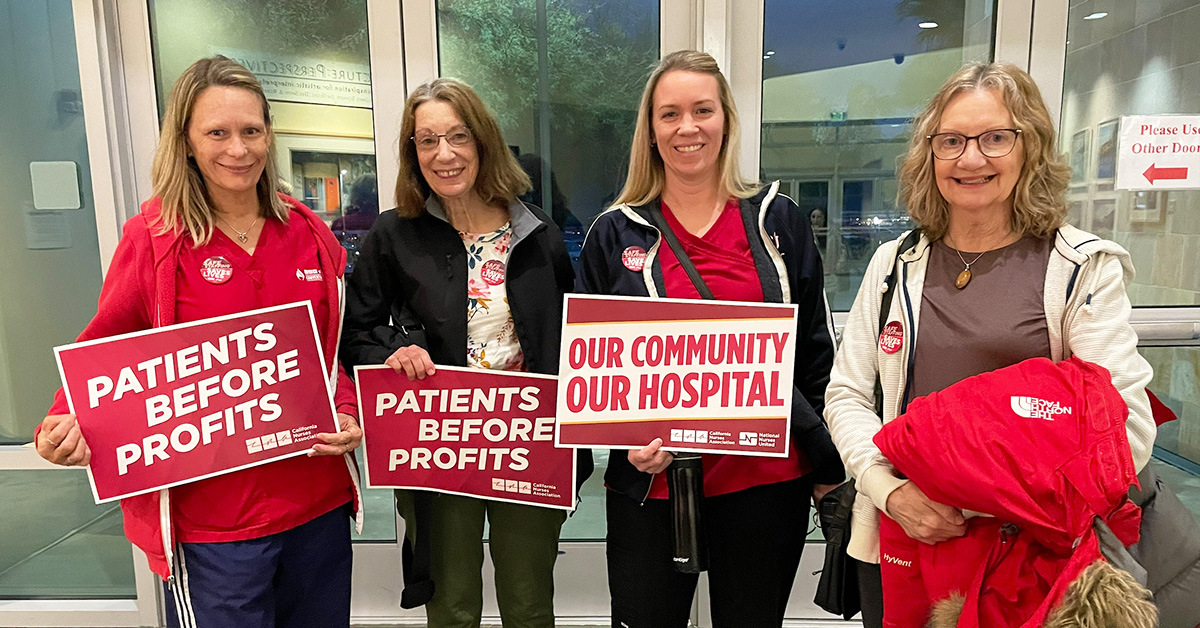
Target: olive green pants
{"type": "Point", "coordinates": [523, 541]}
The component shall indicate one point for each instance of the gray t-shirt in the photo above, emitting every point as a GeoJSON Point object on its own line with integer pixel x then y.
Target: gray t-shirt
{"type": "Point", "coordinates": [997, 320]}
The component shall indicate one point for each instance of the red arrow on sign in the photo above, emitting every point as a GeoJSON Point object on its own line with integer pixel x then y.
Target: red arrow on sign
{"type": "Point", "coordinates": [1153, 174]}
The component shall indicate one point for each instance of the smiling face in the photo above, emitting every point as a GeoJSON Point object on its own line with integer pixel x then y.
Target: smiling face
{"type": "Point", "coordinates": [449, 170]}
{"type": "Point", "coordinates": [974, 183]}
{"type": "Point", "coordinates": [688, 124]}
{"type": "Point", "coordinates": [229, 141]}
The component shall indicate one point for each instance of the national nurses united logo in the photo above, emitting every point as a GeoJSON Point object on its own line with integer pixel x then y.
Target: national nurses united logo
{"type": "Point", "coordinates": [1034, 408]}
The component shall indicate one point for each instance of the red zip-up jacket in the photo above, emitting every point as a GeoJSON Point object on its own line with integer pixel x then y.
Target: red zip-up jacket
{"type": "Point", "coordinates": [139, 294]}
{"type": "Point", "coordinates": [1040, 446]}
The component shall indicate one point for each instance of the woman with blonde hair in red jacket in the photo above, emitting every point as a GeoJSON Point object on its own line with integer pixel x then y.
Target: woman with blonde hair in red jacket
{"type": "Point", "coordinates": [267, 546]}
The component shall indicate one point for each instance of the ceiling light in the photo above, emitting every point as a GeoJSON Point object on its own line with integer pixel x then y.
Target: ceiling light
{"type": "Point", "coordinates": [770, 52]}
{"type": "Point", "coordinates": [1095, 16]}
{"type": "Point", "coordinates": [928, 25]}
{"type": "Point", "coordinates": [765, 57]}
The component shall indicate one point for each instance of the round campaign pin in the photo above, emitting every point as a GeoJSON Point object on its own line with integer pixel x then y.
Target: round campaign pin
{"type": "Point", "coordinates": [634, 258]}
{"type": "Point", "coordinates": [492, 272]}
{"type": "Point", "coordinates": [216, 269]}
{"type": "Point", "coordinates": [892, 337]}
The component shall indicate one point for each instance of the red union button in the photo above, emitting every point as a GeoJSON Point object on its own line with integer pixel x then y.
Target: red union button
{"type": "Point", "coordinates": [634, 258]}
{"type": "Point", "coordinates": [492, 272]}
{"type": "Point", "coordinates": [216, 269]}
{"type": "Point", "coordinates": [892, 337]}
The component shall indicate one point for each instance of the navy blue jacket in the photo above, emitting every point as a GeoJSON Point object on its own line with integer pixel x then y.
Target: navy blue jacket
{"type": "Point", "coordinates": [789, 267]}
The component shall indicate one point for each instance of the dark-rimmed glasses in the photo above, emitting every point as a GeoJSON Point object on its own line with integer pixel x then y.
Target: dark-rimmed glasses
{"type": "Point", "coordinates": [428, 140]}
{"type": "Point", "coordinates": [994, 143]}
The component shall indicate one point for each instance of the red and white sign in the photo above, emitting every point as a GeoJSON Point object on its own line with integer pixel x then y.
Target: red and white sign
{"type": "Point", "coordinates": [182, 403]}
{"type": "Point", "coordinates": [705, 376]}
{"type": "Point", "coordinates": [475, 432]}
{"type": "Point", "coordinates": [1159, 153]}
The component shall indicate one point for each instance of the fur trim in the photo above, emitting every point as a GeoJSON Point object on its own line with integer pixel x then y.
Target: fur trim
{"type": "Point", "coordinates": [946, 612]}
{"type": "Point", "coordinates": [1103, 597]}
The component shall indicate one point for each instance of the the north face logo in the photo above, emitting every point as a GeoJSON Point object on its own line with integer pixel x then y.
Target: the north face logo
{"type": "Point", "coordinates": [1034, 408]}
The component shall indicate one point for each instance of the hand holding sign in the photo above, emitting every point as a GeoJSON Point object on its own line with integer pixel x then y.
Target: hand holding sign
{"type": "Point", "coordinates": [413, 361]}
{"type": "Point", "coordinates": [651, 458]}
{"type": "Point", "coordinates": [341, 442]}
{"type": "Point", "coordinates": [60, 441]}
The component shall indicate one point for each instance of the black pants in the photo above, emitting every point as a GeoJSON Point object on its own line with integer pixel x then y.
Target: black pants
{"type": "Point", "coordinates": [870, 592]}
{"type": "Point", "coordinates": [753, 539]}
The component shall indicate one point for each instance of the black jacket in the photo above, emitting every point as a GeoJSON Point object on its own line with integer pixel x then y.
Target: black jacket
{"type": "Point", "coordinates": [789, 267]}
{"type": "Point", "coordinates": [410, 287]}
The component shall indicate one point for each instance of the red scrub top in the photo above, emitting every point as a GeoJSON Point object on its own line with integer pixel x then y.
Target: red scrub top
{"type": "Point", "coordinates": [723, 258]}
{"type": "Point", "coordinates": [278, 496]}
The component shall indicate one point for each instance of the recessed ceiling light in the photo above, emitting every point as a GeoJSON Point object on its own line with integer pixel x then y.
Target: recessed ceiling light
{"type": "Point", "coordinates": [1095, 16]}
{"type": "Point", "coordinates": [766, 57]}
{"type": "Point", "coordinates": [770, 52]}
{"type": "Point", "coordinates": [928, 25]}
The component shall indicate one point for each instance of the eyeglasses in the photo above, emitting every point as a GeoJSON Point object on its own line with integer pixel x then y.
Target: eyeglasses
{"type": "Point", "coordinates": [428, 140]}
{"type": "Point", "coordinates": [994, 143]}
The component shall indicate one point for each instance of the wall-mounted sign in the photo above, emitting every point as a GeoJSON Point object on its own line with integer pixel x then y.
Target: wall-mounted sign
{"type": "Point", "coordinates": [305, 80]}
{"type": "Point", "coordinates": [1159, 153]}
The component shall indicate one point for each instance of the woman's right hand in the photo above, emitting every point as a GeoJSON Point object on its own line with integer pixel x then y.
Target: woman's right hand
{"type": "Point", "coordinates": [61, 442]}
{"type": "Point", "coordinates": [413, 361]}
{"type": "Point", "coordinates": [651, 458]}
{"type": "Point", "coordinates": [922, 518]}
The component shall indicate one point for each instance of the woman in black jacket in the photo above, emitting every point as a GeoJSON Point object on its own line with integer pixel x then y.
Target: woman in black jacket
{"type": "Point", "coordinates": [462, 273]}
{"type": "Point", "coordinates": [747, 244]}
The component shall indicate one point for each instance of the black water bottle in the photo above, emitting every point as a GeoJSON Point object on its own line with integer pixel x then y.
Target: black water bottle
{"type": "Point", "coordinates": [685, 480]}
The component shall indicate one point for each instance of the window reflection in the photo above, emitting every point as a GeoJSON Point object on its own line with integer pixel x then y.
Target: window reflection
{"type": "Point", "coordinates": [838, 90]}
{"type": "Point", "coordinates": [565, 93]}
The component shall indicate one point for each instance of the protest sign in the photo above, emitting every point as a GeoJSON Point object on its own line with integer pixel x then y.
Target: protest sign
{"type": "Point", "coordinates": [704, 376]}
{"type": "Point", "coordinates": [463, 431]}
{"type": "Point", "coordinates": [177, 404]}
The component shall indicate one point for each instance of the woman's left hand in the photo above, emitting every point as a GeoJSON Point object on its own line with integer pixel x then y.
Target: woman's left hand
{"type": "Point", "coordinates": [819, 491]}
{"type": "Point", "coordinates": [335, 444]}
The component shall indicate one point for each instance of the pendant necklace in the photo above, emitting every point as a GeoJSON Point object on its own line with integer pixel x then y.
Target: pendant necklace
{"type": "Point", "coordinates": [244, 236]}
{"type": "Point", "coordinates": [964, 277]}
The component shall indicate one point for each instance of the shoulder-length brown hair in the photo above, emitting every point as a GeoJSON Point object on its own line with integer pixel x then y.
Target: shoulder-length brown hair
{"type": "Point", "coordinates": [645, 179]}
{"type": "Point", "coordinates": [500, 180]}
{"type": "Point", "coordinates": [177, 180]}
{"type": "Point", "coordinates": [1039, 203]}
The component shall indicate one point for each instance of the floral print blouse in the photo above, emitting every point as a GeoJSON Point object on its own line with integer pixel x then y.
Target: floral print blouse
{"type": "Point", "coordinates": [491, 334]}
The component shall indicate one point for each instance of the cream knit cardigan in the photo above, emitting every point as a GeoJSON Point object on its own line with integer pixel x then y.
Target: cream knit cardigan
{"type": "Point", "coordinates": [1087, 314]}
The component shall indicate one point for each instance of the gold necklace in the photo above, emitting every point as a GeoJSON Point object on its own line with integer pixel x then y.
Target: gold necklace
{"type": "Point", "coordinates": [964, 277]}
{"type": "Point", "coordinates": [242, 236]}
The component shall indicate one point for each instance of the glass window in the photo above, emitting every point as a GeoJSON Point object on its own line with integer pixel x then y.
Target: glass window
{"type": "Point", "coordinates": [839, 88]}
{"type": "Point", "coordinates": [42, 122]}
{"type": "Point", "coordinates": [563, 78]}
{"type": "Point", "coordinates": [315, 68]}
{"type": "Point", "coordinates": [1177, 447]}
{"type": "Point", "coordinates": [576, 109]}
{"type": "Point", "coordinates": [1133, 58]}
{"type": "Point", "coordinates": [314, 63]}
{"type": "Point", "coordinates": [58, 543]}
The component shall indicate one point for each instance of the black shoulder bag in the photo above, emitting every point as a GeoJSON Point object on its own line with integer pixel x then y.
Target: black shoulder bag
{"type": "Point", "coordinates": [837, 590]}
{"type": "Point", "coordinates": [685, 475]}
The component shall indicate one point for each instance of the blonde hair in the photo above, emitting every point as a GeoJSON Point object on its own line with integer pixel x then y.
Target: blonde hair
{"type": "Point", "coordinates": [500, 180]}
{"type": "Point", "coordinates": [1039, 199]}
{"type": "Point", "coordinates": [177, 180]}
{"type": "Point", "coordinates": [646, 177]}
